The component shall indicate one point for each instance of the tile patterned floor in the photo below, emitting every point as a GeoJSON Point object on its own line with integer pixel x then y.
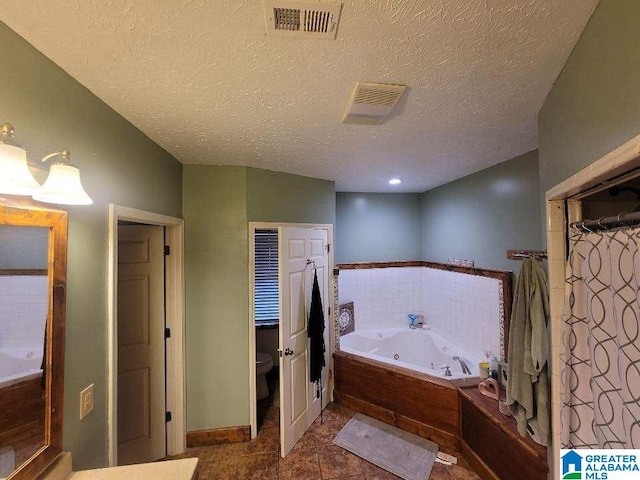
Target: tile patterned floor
{"type": "Point", "coordinates": [313, 458]}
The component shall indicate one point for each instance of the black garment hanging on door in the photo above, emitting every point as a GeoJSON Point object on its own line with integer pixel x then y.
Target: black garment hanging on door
{"type": "Point", "coordinates": [43, 365]}
{"type": "Point", "coordinates": [315, 330]}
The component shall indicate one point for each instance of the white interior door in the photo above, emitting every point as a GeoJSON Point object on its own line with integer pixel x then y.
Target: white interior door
{"type": "Point", "coordinates": [141, 323]}
{"type": "Point", "coordinates": [300, 404]}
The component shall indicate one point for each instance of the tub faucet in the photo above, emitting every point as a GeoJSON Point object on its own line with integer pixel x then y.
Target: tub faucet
{"type": "Point", "coordinates": [465, 368]}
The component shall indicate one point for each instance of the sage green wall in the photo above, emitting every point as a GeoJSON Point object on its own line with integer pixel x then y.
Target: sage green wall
{"type": "Point", "coordinates": [594, 104]}
{"type": "Point", "coordinates": [378, 227]}
{"type": "Point", "coordinates": [282, 197]}
{"type": "Point", "coordinates": [119, 164]}
{"type": "Point", "coordinates": [218, 204]}
{"type": "Point", "coordinates": [217, 296]}
{"type": "Point", "coordinates": [482, 215]}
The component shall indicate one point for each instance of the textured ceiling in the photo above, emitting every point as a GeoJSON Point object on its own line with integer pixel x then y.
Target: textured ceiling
{"type": "Point", "coordinates": [202, 79]}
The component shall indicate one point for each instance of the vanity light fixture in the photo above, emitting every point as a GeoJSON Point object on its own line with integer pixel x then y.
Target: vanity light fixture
{"type": "Point", "coordinates": [395, 181]}
{"type": "Point", "coordinates": [15, 177]}
{"type": "Point", "coordinates": [63, 183]}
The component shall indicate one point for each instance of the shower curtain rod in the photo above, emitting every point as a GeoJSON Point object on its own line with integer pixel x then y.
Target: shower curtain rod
{"type": "Point", "coordinates": [607, 223]}
{"type": "Point", "coordinates": [522, 254]}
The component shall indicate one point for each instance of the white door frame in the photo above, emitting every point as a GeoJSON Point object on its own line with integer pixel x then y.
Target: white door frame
{"type": "Point", "coordinates": [253, 226]}
{"type": "Point", "coordinates": [175, 320]}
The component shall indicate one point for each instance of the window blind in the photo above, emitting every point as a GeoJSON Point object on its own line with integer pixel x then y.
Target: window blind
{"type": "Point", "coordinates": [266, 301]}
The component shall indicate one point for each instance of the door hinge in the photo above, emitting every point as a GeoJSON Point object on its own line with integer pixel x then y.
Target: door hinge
{"type": "Point", "coordinates": [167, 417]}
{"type": "Point", "coordinates": [167, 333]}
{"type": "Point", "coordinates": [167, 250]}
{"type": "Point", "coordinates": [328, 247]}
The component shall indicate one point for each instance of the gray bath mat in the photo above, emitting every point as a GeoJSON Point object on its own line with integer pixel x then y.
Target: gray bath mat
{"type": "Point", "coordinates": [7, 461]}
{"type": "Point", "coordinates": [408, 456]}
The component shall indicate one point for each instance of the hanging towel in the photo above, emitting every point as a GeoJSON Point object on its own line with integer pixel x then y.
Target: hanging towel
{"type": "Point", "coordinates": [315, 331]}
{"type": "Point", "coordinates": [528, 388]}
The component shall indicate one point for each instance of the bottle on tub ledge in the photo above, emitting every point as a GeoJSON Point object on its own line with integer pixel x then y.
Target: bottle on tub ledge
{"type": "Point", "coordinates": [485, 366]}
{"type": "Point", "coordinates": [490, 368]}
{"type": "Point", "coordinates": [494, 368]}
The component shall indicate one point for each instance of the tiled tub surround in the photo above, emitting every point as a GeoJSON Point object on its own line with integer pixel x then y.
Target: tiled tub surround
{"type": "Point", "coordinates": [467, 306]}
{"type": "Point", "coordinates": [465, 309]}
{"type": "Point", "coordinates": [382, 297]}
{"type": "Point", "coordinates": [19, 364]}
{"type": "Point", "coordinates": [23, 311]}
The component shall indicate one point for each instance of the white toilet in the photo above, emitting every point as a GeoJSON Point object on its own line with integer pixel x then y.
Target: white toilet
{"type": "Point", "coordinates": [264, 364]}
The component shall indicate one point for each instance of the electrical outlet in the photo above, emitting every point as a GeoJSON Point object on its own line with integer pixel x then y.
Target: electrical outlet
{"type": "Point", "coordinates": [86, 401]}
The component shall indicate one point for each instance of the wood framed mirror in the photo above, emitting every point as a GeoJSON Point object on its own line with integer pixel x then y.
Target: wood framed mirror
{"type": "Point", "coordinates": [33, 270]}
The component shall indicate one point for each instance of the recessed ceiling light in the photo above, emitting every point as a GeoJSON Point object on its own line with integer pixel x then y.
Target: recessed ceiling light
{"type": "Point", "coordinates": [395, 181]}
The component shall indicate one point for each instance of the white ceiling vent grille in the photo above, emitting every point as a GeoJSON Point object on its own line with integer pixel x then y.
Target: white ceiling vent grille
{"type": "Point", "coordinates": [302, 19]}
{"type": "Point", "coordinates": [372, 103]}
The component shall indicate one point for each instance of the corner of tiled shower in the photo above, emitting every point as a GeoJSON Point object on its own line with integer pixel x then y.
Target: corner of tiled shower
{"type": "Point", "coordinates": [462, 308]}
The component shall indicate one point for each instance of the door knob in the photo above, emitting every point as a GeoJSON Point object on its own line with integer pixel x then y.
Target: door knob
{"type": "Point", "coordinates": [288, 351]}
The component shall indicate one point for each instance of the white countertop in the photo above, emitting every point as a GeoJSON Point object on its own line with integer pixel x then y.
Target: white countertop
{"type": "Point", "coordinates": [170, 470]}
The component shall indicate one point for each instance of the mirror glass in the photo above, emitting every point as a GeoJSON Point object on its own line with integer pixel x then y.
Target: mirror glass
{"type": "Point", "coordinates": [24, 303]}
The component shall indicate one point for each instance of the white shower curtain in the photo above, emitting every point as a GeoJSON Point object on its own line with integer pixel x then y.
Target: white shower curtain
{"type": "Point", "coordinates": [601, 356]}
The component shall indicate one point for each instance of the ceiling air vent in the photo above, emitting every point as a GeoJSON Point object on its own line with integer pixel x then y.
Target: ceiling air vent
{"type": "Point", "coordinates": [372, 103]}
{"type": "Point", "coordinates": [302, 19]}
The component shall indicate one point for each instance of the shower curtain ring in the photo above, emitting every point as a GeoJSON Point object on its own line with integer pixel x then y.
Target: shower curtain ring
{"type": "Point", "coordinates": [584, 227]}
{"type": "Point", "coordinates": [619, 219]}
{"type": "Point", "coordinates": [600, 223]}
